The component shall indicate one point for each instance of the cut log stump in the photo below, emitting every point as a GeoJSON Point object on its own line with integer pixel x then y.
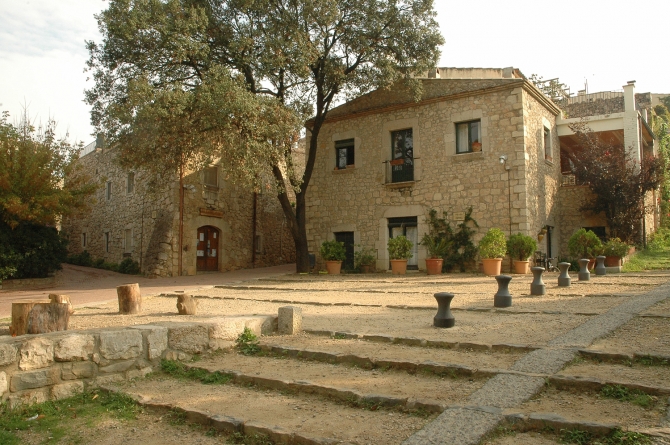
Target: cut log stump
{"type": "Point", "coordinates": [48, 317]}
{"type": "Point", "coordinates": [60, 298]}
{"type": "Point", "coordinates": [186, 304]}
{"type": "Point", "coordinates": [38, 317]}
{"type": "Point", "coordinates": [130, 299]}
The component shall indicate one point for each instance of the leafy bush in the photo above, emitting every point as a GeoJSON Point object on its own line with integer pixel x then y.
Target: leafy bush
{"type": "Point", "coordinates": [615, 247]}
{"type": "Point", "coordinates": [81, 259]}
{"type": "Point", "coordinates": [247, 342]}
{"type": "Point", "coordinates": [520, 247]}
{"type": "Point", "coordinates": [659, 240]}
{"type": "Point", "coordinates": [461, 251]}
{"type": "Point", "coordinates": [400, 248]}
{"type": "Point", "coordinates": [584, 244]}
{"type": "Point", "coordinates": [98, 263]}
{"type": "Point", "coordinates": [365, 256]}
{"type": "Point", "coordinates": [333, 251]}
{"type": "Point", "coordinates": [493, 245]}
{"type": "Point", "coordinates": [129, 266]}
{"type": "Point", "coordinates": [30, 250]}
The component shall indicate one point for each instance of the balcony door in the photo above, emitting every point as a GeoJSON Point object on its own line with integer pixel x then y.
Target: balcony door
{"type": "Point", "coordinates": [406, 226]}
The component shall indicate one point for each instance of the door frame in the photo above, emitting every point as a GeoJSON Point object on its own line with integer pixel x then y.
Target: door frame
{"type": "Point", "coordinates": [208, 229]}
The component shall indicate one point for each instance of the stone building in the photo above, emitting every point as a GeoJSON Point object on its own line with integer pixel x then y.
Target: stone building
{"type": "Point", "coordinates": [481, 138]}
{"type": "Point", "coordinates": [225, 226]}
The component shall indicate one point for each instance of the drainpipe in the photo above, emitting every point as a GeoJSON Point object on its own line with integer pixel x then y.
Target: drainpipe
{"type": "Point", "coordinates": [253, 233]}
{"type": "Point", "coordinates": [181, 213]}
{"type": "Point", "coordinates": [503, 161]}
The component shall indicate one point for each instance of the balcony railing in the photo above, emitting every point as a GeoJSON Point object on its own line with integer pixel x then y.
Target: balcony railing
{"type": "Point", "coordinates": [399, 170]}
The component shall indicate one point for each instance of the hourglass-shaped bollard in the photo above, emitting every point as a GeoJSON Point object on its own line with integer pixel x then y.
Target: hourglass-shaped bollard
{"type": "Point", "coordinates": [584, 274]}
{"type": "Point", "coordinates": [444, 318]}
{"type": "Point", "coordinates": [600, 265]}
{"type": "Point", "coordinates": [537, 287]}
{"type": "Point", "coordinates": [564, 279]}
{"type": "Point", "coordinates": [503, 298]}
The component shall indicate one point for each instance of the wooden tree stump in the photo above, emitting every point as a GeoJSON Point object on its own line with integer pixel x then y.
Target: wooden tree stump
{"type": "Point", "coordinates": [48, 317]}
{"type": "Point", "coordinates": [60, 298]}
{"type": "Point", "coordinates": [186, 304]}
{"type": "Point", "coordinates": [20, 313]}
{"type": "Point", "coordinates": [130, 299]}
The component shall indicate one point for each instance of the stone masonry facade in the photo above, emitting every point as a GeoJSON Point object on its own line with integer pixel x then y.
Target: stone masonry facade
{"type": "Point", "coordinates": [143, 224]}
{"type": "Point", "coordinates": [362, 198]}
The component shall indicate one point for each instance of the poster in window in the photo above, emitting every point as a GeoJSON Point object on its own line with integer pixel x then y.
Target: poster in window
{"type": "Point", "coordinates": [201, 253]}
{"type": "Point", "coordinates": [213, 252]}
{"type": "Point", "coordinates": [202, 237]}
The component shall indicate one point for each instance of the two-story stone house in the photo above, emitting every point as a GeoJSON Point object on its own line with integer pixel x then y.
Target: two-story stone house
{"type": "Point", "coordinates": [480, 138]}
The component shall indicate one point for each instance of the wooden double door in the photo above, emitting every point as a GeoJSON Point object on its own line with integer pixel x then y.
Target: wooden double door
{"type": "Point", "coordinates": [207, 254]}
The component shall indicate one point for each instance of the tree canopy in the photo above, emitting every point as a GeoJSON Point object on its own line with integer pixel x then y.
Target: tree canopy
{"type": "Point", "coordinates": [236, 78]}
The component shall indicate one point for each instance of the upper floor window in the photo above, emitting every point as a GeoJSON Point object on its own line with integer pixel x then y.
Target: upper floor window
{"type": "Point", "coordinates": [107, 239]}
{"type": "Point", "coordinates": [402, 156]}
{"type": "Point", "coordinates": [130, 183]}
{"type": "Point", "coordinates": [468, 137]}
{"type": "Point", "coordinates": [108, 190]}
{"type": "Point", "coordinates": [547, 144]}
{"type": "Point", "coordinates": [344, 152]}
{"type": "Point", "coordinates": [83, 240]}
{"type": "Point", "coordinates": [211, 176]}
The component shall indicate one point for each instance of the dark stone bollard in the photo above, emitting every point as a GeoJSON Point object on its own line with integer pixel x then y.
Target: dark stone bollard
{"type": "Point", "coordinates": [584, 274]}
{"type": "Point", "coordinates": [564, 279]}
{"type": "Point", "coordinates": [444, 318]}
{"type": "Point", "coordinates": [600, 265]}
{"type": "Point", "coordinates": [537, 287]}
{"type": "Point", "coordinates": [503, 298]}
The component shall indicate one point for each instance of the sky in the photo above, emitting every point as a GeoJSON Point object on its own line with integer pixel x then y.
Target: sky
{"type": "Point", "coordinates": [602, 43]}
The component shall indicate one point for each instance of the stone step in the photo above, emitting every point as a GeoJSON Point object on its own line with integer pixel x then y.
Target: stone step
{"type": "Point", "coordinates": [285, 417]}
{"type": "Point", "coordinates": [430, 389]}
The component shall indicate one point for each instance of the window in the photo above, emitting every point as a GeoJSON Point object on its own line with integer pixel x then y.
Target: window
{"type": "Point", "coordinates": [211, 176]}
{"type": "Point", "coordinates": [107, 240]}
{"type": "Point", "coordinates": [130, 183]}
{"type": "Point", "coordinates": [402, 156]}
{"type": "Point", "coordinates": [468, 137]}
{"type": "Point", "coordinates": [128, 240]}
{"type": "Point", "coordinates": [547, 144]}
{"type": "Point", "coordinates": [344, 152]}
{"type": "Point", "coordinates": [108, 190]}
{"type": "Point", "coordinates": [83, 240]}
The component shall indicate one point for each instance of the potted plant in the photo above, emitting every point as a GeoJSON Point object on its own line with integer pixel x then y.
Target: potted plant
{"type": "Point", "coordinates": [364, 259]}
{"type": "Point", "coordinates": [492, 249]}
{"type": "Point", "coordinates": [333, 253]}
{"type": "Point", "coordinates": [437, 247]}
{"type": "Point", "coordinates": [400, 250]}
{"type": "Point", "coordinates": [614, 250]}
{"type": "Point", "coordinates": [520, 247]}
{"type": "Point", "coordinates": [585, 244]}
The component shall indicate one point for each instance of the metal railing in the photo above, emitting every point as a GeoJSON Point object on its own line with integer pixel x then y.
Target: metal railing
{"type": "Point", "coordinates": [399, 170]}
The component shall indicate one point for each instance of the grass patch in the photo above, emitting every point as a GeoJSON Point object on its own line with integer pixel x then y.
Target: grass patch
{"type": "Point", "coordinates": [52, 418]}
{"type": "Point", "coordinates": [339, 336]}
{"type": "Point", "coordinates": [648, 259]}
{"type": "Point", "coordinates": [616, 437]}
{"type": "Point", "coordinates": [256, 439]}
{"type": "Point", "coordinates": [247, 342]}
{"type": "Point", "coordinates": [648, 360]}
{"type": "Point", "coordinates": [624, 394]}
{"type": "Point", "coordinates": [181, 371]}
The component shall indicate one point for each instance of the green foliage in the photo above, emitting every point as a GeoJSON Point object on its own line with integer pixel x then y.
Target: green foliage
{"type": "Point", "coordinates": [615, 247]}
{"type": "Point", "coordinates": [461, 251]}
{"type": "Point", "coordinates": [624, 394]}
{"type": "Point", "coordinates": [253, 439]}
{"type": "Point", "coordinates": [333, 251]}
{"type": "Point", "coordinates": [39, 180]}
{"type": "Point", "coordinates": [659, 240]}
{"type": "Point", "coordinates": [181, 371]}
{"type": "Point", "coordinates": [400, 248]}
{"type": "Point", "coordinates": [81, 259]}
{"type": "Point", "coordinates": [493, 245]}
{"type": "Point", "coordinates": [247, 342]}
{"type": "Point", "coordinates": [129, 266]}
{"type": "Point", "coordinates": [618, 437]}
{"type": "Point", "coordinates": [520, 247]}
{"type": "Point", "coordinates": [618, 182]}
{"type": "Point", "coordinates": [30, 250]}
{"type": "Point", "coordinates": [364, 256]}
{"type": "Point", "coordinates": [576, 436]}
{"type": "Point", "coordinates": [584, 244]}
{"type": "Point", "coordinates": [648, 259]}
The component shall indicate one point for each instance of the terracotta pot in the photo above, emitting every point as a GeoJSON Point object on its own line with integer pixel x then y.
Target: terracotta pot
{"type": "Point", "coordinates": [476, 146]}
{"type": "Point", "coordinates": [592, 263]}
{"type": "Point", "coordinates": [612, 261]}
{"type": "Point", "coordinates": [397, 162]}
{"type": "Point", "coordinates": [333, 267]}
{"type": "Point", "coordinates": [434, 266]}
{"type": "Point", "coordinates": [521, 267]}
{"type": "Point", "coordinates": [366, 268]}
{"type": "Point", "coordinates": [399, 267]}
{"type": "Point", "coordinates": [492, 266]}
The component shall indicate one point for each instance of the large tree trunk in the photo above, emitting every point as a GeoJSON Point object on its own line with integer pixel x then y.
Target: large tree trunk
{"type": "Point", "coordinates": [48, 317]}
{"type": "Point", "coordinates": [130, 299]}
{"type": "Point", "coordinates": [20, 313]}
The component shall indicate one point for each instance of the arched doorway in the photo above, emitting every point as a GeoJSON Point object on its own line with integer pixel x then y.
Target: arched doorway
{"type": "Point", "coordinates": [207, 254]}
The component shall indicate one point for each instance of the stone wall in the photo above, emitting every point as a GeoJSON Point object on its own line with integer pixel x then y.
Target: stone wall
{"type": "Point", "coordinates": [152, 217]}
{"type": "Point", "coordinates": [360, 200]}
{"type": "Point", "coordinates": [37, 368]}
{"type": "Point", "coordinates": [596, 107]}
{"type": "Point", "coordinates": [572, 219]}
{"type": "Point", "coordinates": [27, 282]}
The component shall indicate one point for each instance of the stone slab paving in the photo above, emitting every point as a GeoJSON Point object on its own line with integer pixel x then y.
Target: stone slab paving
{"type": "Point", "coordinates": [467, 426]}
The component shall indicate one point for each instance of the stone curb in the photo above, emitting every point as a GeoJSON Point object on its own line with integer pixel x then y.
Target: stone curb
{"type": "Point", "coordinates": [413, 341]}
{"type": "Point", "coordinates": [229, 425]}
{"type": "Point", "coordinates": [541, 421]}
{"type": "Point", "coordinates": [593, 384]}
{"type": "Point", "coordinates": [604, 356]}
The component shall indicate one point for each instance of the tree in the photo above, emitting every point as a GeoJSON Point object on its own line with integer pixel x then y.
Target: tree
{"type": "Point", "coordinates": [39, 184]}
{"type": "Point", "coordinates": [618, 182]}
{"type": "Point", "coordinates": [279, 60]}
{"type": "Point", "coordinates": [661, 126]}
